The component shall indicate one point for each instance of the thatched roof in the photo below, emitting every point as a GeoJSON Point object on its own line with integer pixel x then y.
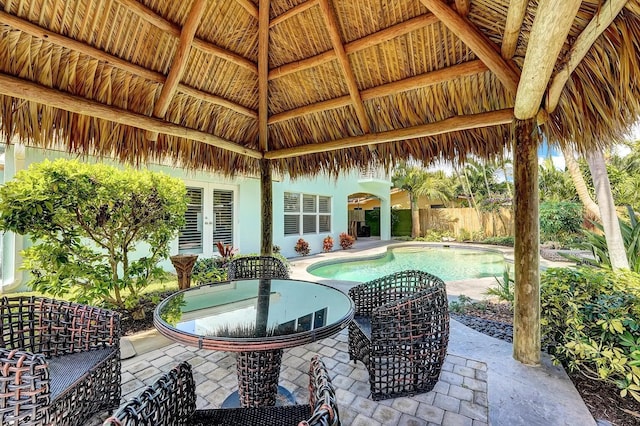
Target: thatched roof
{"type": "Point", "coordinates": [315, 85]}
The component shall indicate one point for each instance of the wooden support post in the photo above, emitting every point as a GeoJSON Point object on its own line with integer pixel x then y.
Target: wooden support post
{"type": "Point", "coordinates": [266, 247]}
{"type": "Point", "coordinates": [526, 321]}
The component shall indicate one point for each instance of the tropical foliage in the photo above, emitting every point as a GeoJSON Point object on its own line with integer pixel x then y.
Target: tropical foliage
{"type": "Point", "coordinates": [591, 323]}
{"type": "Point", "coordinates": [86, 220]}
{"type": "Point", "coordinates": [596, 243]}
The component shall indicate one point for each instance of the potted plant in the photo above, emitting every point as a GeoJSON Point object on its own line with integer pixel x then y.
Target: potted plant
{"type": "Point", "coordinates": [327, 244]}
{"type": "Point", "coordinates": [346, 241]}
{"type": "Point", "coordinates": [302, 247]}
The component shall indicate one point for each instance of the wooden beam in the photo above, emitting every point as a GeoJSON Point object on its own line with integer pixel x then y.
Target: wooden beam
{"type": "Point", "coordinates": [335, 103]}
{"type": "Point", "coordinates": [217, 100]}
{"type": "Point", "coordinates": [515, 18]}
{"type": "Point", "coordinates": [263, 74]}
{"type": "Point", "coordinates": [249, 6]}
{"type": "Point", "coordinates": [505, 71]}
{"type": "Point", "coordinates": [600, 22]}
{"type": "Point", "coordinates": [463, 6]}
{"type": "Point", "coordinates": [114, 61]}
{"type": "Point", "coordinates": [427, 79]}
{"type": "Point", "coordinates": [292, 12]}
{"type": "Point", "coordinates": [22, 89]}
{"type": "Point", "coordinates": [390, 33]}
{"type": "Point", "coordinates": [549, 32]}
{"type": "Point", "coordinates": [365, 42]}
{"type": "Point", "coordinates": [158, 21]}
{"type": "Point", "coordinates": [336, 40]}
{"type": "Point", "coordinates": [303, 64]}
{"type": "Point", "coordinates": [424, 80]}
{"type": "Point", "coordinates": [526, 307]}
{"type": "Point", "coordinates": [179, 62]}
{"type": "Point", "coordinates": [454, 124]}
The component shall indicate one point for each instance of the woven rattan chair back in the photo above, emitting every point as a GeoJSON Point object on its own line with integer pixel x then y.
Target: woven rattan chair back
{"type": "Point", "coordinates": [171, 400]}
{"type": "Point", "coordinates": [400, 332]}
{"type": "Point", "coordinates": [257, 267]}
{"type": "Point", "coordinates": [59, 361]}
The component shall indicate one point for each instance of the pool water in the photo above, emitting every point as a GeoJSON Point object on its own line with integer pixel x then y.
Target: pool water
{"type": "Point", "coordinates": [447, 263]}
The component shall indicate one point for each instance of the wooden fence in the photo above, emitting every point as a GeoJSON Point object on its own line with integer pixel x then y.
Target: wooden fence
{"type": "Point", "coordinates": [466, 220]}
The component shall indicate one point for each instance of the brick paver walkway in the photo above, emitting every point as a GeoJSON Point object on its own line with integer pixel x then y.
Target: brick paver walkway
{"type": "Point", "coordinates": [458, 399]}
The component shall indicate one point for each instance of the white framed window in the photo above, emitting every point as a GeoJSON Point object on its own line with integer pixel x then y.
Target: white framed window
{"type": "Point", "coordinates": [190, 237]}
{"type": "Point", "coordinates": [209, 219]}
{"type": "Point", "coordinates": [306, 214]}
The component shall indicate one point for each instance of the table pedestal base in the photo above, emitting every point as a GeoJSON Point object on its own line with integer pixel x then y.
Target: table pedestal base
{"type": "Point", "coordinates": [258, 374]}
{"type": "Point", "coordinates": [284, 397]}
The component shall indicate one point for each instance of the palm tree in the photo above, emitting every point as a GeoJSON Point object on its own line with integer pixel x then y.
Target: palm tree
{"type": "Point", "coordinates": [411, 178]}
{"type": "Point", "coordinates": [578, 180]}
{"type": "Point", "coordinates": [436, 186]}
{"type": "Point", "coordinates": [555, 185]}
{"type": "Point", "coordinates": [610, 222]}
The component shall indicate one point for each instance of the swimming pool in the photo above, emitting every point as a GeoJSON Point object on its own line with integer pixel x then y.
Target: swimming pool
{"type": "Point", "coordinates": [447, 263]}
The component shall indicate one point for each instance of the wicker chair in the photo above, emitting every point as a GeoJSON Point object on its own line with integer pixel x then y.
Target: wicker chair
{"type": "Point", "coordinates": [257, 267]}
{"type": "Point", "coordinates": [59, 361]}
{"type": "Point", "coordinates": [171, 400]}
{"type": "Point", "coordinates": [400, 332]}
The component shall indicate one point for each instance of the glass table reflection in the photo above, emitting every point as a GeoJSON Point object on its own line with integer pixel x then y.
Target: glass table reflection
{"type": "Point", "coordinates": [256, 318]}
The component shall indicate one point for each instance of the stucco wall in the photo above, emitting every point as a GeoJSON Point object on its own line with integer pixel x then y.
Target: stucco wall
{"type": "Point", "coordinates": [247, 218]}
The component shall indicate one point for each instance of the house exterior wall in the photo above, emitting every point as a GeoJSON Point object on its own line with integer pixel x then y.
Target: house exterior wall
{"type": "Point", "coordinates": [247, 220]}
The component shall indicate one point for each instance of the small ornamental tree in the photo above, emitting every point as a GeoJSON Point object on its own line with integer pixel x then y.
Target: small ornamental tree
{"type": "Point", "coordinates": [85, 220]}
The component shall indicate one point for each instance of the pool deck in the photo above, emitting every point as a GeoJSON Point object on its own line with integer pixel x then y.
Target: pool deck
{"type": "Point", "coordinates": [481, 383]}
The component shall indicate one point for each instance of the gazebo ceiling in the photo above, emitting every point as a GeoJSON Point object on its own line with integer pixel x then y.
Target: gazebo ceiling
{"type": "Point", "coordinates": [315, 85]}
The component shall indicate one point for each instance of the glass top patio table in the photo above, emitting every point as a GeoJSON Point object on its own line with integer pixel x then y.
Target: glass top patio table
{"type": "Point", "coordinates": [255, 314]}
{"type": "Point", "coordinates": [257, 318]}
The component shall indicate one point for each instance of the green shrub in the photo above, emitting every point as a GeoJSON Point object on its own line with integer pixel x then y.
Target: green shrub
{"type": "Point", "coordinates": [85, 221]}
{"type": "Point", "coordinates": [210, 270]}
{"type": "Point", "coordinates": [507, 240]}
{"type": "Point", "coordinates": [591, 322]}
{"type": "Point", "coordinates": [560, 221]}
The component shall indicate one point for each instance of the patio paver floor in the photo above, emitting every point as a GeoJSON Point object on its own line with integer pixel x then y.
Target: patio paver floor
{"type": "Point", "coordinates": [458, 399]}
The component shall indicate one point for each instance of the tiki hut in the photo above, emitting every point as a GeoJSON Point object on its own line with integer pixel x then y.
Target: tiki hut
{"type": "Point", "coordinates": [318, 86]}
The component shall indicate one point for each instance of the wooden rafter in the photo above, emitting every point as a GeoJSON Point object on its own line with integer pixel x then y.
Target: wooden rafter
{"type": "Point", "coordinates": [263, 73]}
{"type": "Point", "coordinates": [336, 41]}
{"type": "Point", "coordinates": [548, 34]}
{"type": "Point", "coordinates": [303, 64]}
{"type": "Point", "coordinates": [354, 46]}
{"type": "Point", "coordinates": [463, 6]}
{"type": "Point", "coordinates": [423, 80]}
{"type": "Point", "coordinates": [158, 21]}
{"type": "Point", "coordinates": [506, 71]}
{"type": "Point", "coordinates": [601, 20]}
{"type": "Point", "coordinates": [515, 18]}
{"type": "Point", "coordinates": [249, 6]}
{"type": "Point", "coordinates": [179, 62]}
{"type": "Point", "coordinates": [453, 124]}
{"type": "Point", "coordinates": [71, 44]}
{"type": "Point", "coordinates": [292, 12]}
{"type": "Point", "coordinates": [27, 90]}
{"type": "Point", "coordinates": [335, 103]}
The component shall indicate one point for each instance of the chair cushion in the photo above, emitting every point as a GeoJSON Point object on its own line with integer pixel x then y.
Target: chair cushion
{"type": "Point", "coordinates": [66, 370]}
{"type": "Point", "coordinates": [364, 324]}
{"type": "Point", "coordinates": [288, 415]}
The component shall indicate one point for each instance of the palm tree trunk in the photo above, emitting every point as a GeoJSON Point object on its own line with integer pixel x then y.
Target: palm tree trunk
{"type": "Point", "coordinates": [612, 233]}
{"type": "Point", "coordinates": [415, 216]}
{"type": "Point", "coordinates": [581, 187]}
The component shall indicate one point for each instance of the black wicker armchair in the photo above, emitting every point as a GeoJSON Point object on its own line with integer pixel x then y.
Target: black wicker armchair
{"type": "Point", "coordinates": [171, 400]}
{"type": "Point", "coordinates": [400, 332]}
{"type": "Point", "coordinates": [257, 267]}
{"type": "Point", "coordinates": [59, 361]}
